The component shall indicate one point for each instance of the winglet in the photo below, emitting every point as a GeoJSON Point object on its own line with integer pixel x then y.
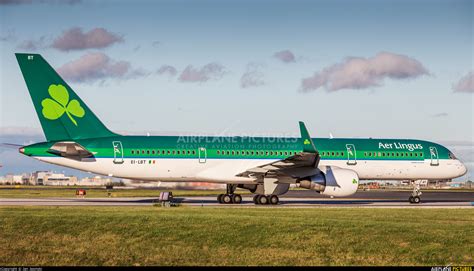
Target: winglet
{"type": "Point", "coordinates": [308, 145]}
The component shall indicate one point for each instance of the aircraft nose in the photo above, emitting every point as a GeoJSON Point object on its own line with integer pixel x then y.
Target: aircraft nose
{"type": "Point", "coordinates": [461, 168]}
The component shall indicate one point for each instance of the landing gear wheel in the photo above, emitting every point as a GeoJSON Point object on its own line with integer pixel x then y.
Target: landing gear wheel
{"type": "Point", "coordinates": [219, 198]}
{"type": "Point", "coordinates": [262, 199]}
{"type": "Point", "coordinates": [415, 195]}
{"type": "Point", "coordinates": [226, 199]}
{"type": "Point", "coordinates": [274, 199]}
{"type": "Point", "coordinates": [255, 199]}
{"type": "Point", "coordinates": [237, 199]}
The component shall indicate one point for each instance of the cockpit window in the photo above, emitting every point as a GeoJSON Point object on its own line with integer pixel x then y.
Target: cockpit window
{"type": "Point", "coordinates": [452, 156]}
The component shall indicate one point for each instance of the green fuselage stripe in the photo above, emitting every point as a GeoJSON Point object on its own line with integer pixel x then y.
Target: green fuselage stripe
{"type": "Point", "coordinates": [139, 147]}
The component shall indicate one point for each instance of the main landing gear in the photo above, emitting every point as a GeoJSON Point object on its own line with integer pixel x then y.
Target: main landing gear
{"type": "Point", "coordinates": [230, 197]}
{"type": "Point", "coordinates": [415, 195]}
{"type": "Point", "coordinates": [262, 199]}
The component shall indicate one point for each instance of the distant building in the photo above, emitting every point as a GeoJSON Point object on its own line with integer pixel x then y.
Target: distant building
{"type": "Point", "coordinates": [51, 178]}
{"type": "Point", "coordinates": [96, 180]}
{"type": "Point", "coordinates": [16, 179]}
{"type": "Point", "coordinates": [59, 179]}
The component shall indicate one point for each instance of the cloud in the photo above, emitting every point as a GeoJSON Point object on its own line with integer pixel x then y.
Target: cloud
{"type": "Point", "coordinates": [210, 71]}
{"type": "Point", "coordinates": [465, 84]}
{"type": "Point", "coordinates": [33, 45]}
{"type": "Point", "coordinates": [156, 43]}
{"type": "Point", "coordinates": [8, 36]}
{"type": "Point", "coordinates": [360, 73]}
{"type": "Point", "coordinates": [20, 2]}
{"type": "Point", "coordinates": [98, 66]}
{"type": "Point", "coordinates": [252, 77]}
{"type": "Point", "coordinates": [75, 39]}
{"type": "Point", "coordinates": [167, 69]}
{"type": "Point", "coordinates": [286, 56]}
{"type": "Point", "coordinates": [440, 115]}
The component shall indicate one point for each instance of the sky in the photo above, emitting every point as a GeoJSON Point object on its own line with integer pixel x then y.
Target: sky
{"type": "Point", "coordinates": [381, 69]}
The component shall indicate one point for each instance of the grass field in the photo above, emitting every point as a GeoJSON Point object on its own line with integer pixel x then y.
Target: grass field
{"type": "Point", "coordinates": [235, 236]}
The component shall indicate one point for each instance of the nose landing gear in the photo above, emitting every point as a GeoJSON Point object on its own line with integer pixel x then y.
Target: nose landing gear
{"type": "Point", "coordinates": [415, 195]}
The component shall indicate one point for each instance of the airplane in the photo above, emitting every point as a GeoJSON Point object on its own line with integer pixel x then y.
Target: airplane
{"type": "Point", "coordinates": [265, 166]}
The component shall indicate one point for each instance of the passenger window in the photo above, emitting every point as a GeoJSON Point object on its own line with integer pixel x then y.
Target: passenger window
{"type": "Point", "coordinates": [233, 153]}
{"type": "Point", "coordinates": [177, 152]}
{"type": "Point", "coordinates": [194, 152]}
{"type": "Point", "coordinates": [218, 152]}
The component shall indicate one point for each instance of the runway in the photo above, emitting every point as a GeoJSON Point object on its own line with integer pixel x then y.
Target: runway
{"type": "Point", "coordinates": [362, 199]}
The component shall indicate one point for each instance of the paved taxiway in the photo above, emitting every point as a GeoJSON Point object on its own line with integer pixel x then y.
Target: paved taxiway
{"type": "Point", "coordinates": [386, 199]}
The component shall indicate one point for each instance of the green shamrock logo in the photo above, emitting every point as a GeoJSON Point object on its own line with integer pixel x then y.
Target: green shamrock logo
{"type": "Point", "coordinates": [54, 108]}
{"type": "Point", "coordinates": [306, 142]}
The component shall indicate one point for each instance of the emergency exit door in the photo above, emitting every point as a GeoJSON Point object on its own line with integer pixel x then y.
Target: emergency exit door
{"type": "Point", "coordinates": [351, 154]}
{"type": "Point", "coordinates": [202, 154]}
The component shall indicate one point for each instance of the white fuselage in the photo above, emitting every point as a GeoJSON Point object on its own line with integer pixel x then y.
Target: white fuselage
{"type": "Point", "coordinates": [225, 170]}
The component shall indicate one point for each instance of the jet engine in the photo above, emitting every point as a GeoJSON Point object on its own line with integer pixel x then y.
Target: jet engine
{"type": "Point", "coordinates": [332, 181]}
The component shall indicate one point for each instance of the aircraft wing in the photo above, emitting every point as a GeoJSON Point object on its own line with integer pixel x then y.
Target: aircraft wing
{"type": "Point", "coordinates": [302, 164]}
